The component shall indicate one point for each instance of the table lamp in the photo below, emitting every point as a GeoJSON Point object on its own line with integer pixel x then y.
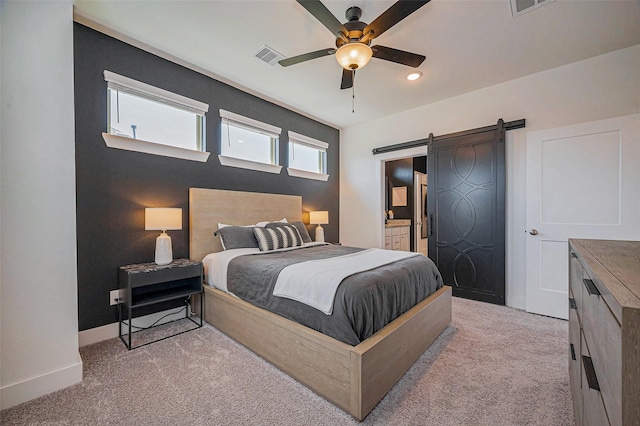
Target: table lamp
{"type": "Point", "coordinates": [163, 219]}
{"type": "Point", "coordinates": [319, 218]}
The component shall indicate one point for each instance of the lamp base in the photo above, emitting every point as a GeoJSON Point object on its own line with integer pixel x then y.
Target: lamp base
{"type": "Point", "coordinates": [319, 234]}
{"type": "Point", "coordinates": [164, 252]}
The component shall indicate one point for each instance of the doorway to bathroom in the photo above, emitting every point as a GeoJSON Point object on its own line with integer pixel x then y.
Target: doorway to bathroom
{"type": "Point", "coordinates": [405, 204]}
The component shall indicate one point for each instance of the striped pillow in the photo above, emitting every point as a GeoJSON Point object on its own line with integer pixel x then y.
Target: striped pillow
{"type": "Point", "coordinates": [304, 234]}
{"type": "Point", "coordinates": [277, 238]}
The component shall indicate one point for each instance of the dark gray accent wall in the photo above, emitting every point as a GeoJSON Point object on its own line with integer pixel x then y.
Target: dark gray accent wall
{"type": "Point", "coordinates": [114, 186]}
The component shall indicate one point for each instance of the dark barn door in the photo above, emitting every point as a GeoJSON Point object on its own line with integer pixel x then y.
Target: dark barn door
{"type": "Point", "coordinates": [466, 208]}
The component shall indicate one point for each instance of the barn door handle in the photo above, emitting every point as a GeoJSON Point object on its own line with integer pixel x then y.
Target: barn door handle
{"type": "Point", "coordinates": [573, 352]}
{"type": "Point", "coordinates": [572, 303]}
{"type": "Point", "coordinates": [431, 224]}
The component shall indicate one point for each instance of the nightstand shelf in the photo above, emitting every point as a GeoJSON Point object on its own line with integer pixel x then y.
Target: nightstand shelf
{"type": "Point", "coordinates": [147, 284]}
{"type": "Point", "coordinates": [140, 297]}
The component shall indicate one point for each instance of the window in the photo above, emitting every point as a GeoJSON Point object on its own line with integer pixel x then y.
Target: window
{"type": "Point", "coordinates": [307, 157]}
{"type": "Point", "coordinates": [147, 119]}
{"type": "Point", "coordinates": [248, 143]}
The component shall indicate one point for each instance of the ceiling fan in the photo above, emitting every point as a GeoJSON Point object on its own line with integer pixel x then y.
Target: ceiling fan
{"type": "Point", "coordinates": [353, 38]}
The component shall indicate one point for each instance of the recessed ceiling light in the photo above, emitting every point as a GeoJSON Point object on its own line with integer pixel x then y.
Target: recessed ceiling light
{"type": "Point", "coordinates": [414, 75]}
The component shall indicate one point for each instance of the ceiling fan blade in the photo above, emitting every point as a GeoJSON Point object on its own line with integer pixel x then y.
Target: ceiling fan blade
{"type": "Point", "coordinates": [322, 14]}
{"type": "Point", "coordinates": [396, 13]}
{"type": "Point", "coordinates": [306, 57]}
{"type": "Point", "coordinates": [398, 56]}
{"type": "Point", "coordinates": [347, 79]}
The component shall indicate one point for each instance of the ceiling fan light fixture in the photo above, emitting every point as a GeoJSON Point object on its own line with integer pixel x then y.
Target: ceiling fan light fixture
{"type": "Point", "coordinates": [352, 56]}
{"type": "Point", "coordinates": [414, 75]}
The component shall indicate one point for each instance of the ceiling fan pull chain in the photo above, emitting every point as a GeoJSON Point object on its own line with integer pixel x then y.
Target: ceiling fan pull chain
{"type": "Point", "coordinates": [353, 92]}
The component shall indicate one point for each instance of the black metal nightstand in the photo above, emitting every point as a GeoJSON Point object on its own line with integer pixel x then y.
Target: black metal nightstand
{"type": "Point", "coordinates": [148, 283]}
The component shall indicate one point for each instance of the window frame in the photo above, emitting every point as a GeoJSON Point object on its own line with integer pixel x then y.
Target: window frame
{"type": "Point", "coordinates": [230, 118]}
{"type": "Point", "coordinates": [297, 138]}
{"type": "Point", "coordinates": [152, 93]}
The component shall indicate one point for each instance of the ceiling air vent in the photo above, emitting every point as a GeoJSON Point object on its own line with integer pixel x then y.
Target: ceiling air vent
{"type": "Point", "coordinates": [518, 7]}
{"type": "Point", "coordinates": [269, 55]}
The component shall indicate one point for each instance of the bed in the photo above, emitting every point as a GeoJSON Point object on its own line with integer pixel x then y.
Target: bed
{"type": "Point", "coordinates": [354, 378]}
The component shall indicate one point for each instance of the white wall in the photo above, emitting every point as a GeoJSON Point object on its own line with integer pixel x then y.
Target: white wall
{"type": "Point", "coordinates": [602, 87]}
{"type": "Point", "coordinates": [38, 285]}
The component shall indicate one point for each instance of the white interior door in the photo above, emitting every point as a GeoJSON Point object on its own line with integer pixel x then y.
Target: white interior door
{"type": "Point", "coordinates": [419, 213]}
{"type": "Point", "coordinates": [583, 181]}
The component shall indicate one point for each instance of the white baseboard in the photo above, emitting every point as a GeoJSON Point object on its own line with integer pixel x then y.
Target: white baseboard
{"type": "Point", "coordinates": [97, 334]}
{"type": "Point", "coordinates": [109, 331]}
{"type": "Point", "coordinates": [44, 384]}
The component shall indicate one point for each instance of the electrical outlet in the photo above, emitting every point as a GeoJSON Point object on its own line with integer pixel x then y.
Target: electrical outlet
{"type": "Point", "coordinates": [115, 295]}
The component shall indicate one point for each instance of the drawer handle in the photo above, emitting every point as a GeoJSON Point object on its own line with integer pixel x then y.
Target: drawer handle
{"type": "Point", "coordinates": [572, 303]}
{"type": "Point", "coordinates": [573, 352]}
{"type": "Point", "coordinates": [592, 380]}
{"type": "Point", "coordinates": [591, 287]}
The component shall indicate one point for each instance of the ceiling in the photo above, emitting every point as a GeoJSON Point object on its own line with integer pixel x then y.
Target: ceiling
{"type": "Point", "coordinates": [468, 45]}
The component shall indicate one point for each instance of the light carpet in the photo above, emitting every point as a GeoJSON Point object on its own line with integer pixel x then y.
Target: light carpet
{"type": "Point", "coordinates": [492, 366]}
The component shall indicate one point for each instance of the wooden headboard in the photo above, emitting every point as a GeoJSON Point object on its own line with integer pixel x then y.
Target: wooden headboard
{"type": "Point", "coordinates": [208, 207]}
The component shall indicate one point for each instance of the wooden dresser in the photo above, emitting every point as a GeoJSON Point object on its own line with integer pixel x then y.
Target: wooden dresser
{"type": "Point", "coordinates": [604, 331]}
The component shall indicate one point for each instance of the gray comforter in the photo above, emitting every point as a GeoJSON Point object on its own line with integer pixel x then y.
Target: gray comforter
{"type": "Point", "coordinates": [365, 302]}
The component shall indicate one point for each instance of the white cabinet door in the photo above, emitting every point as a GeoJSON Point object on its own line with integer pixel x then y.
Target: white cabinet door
{"type": "Point", "coordinates": [583, 181]}
{"type": "Point", "coordinates": [387, 239]}
{"type": "Point", "coordinates": [395, 242]}
{"type": "Point", "coordinates": [387, 243]}
{"type": "Point", "coordinates": [405, 242]}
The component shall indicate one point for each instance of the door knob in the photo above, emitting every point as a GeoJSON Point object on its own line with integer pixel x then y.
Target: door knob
{"type": "Point", "coordinates": [534, 232]}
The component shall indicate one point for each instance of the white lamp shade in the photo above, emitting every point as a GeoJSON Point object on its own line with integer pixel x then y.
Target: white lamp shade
{"type": "Point", "coordinates": [162, 219]}
{"type": "Point", "coordinates": [353, 56]}
{"type": "Point", "coordinates": [319, 218]}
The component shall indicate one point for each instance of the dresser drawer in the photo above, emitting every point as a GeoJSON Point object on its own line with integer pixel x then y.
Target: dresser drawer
{"type": "Point", "coordinates": [575, 282]}
{"type": "Point", "coordinates": [604, 338]}
{"type": "Point", "coordinates": [575, 373]}
{"type": "Point", "coordinates": [593, 411]}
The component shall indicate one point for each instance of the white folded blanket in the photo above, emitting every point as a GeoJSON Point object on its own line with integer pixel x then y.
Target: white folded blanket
{"type": "Point", "coordinates": [315, 282]}
{"type": "Point", "coordinates": [216, 264]}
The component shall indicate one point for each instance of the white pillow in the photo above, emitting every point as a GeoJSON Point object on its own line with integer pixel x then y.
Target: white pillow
{"type": "Point", "coordinates": [224, 225]}
{"type": "Point", "coordinates": [263, 224]}
{"type": "Point", "coordinates": [259, 224]}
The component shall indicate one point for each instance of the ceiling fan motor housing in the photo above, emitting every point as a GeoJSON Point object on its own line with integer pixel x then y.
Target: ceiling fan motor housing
{"type": "Point", "coordinates": [354, 26]}
{"type": "Point", "coordinates": [353, 13]}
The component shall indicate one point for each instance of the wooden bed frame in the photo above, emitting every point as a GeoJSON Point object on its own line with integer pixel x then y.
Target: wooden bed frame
{"type": "Point", "coordinates": [355, 378]}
